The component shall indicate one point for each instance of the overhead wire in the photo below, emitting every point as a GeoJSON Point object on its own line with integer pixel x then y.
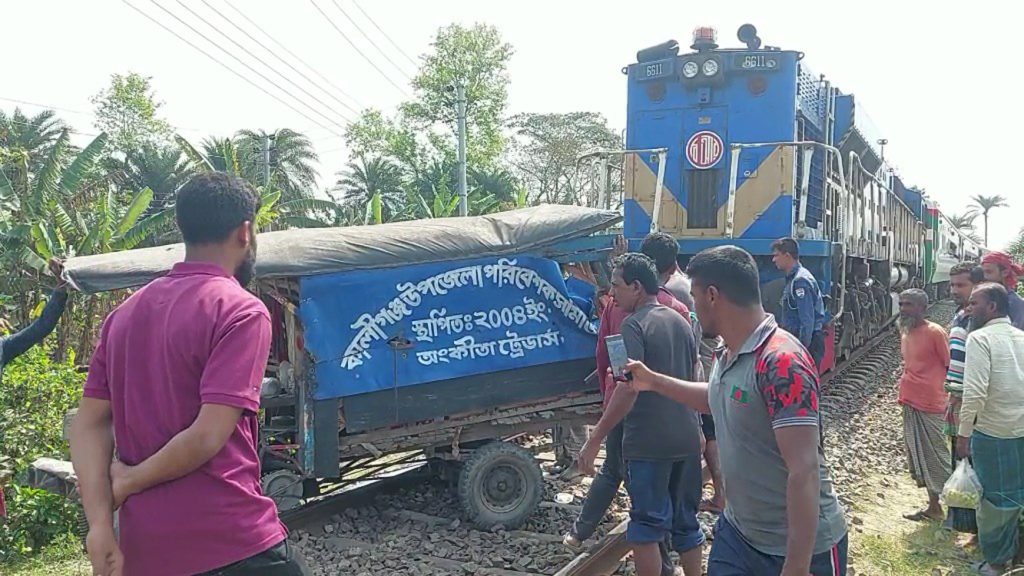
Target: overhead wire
{"type": "Point", "coordinates": [268, 66]}
{"type": "Point", "coordinates": [81, 112]}
{"type": "Point", "coordinates": [38, 105]}
{"type": "Point", "coordinates": [370, 40]}
{"type": "Point", "coordinates": [385, 34]}
{"type": "Point", "coordinates": [69, 128]}
{"type": "Point", "coordinates": [283, 61]}
{"type": "Point", "coordinates": [294, 55]}
{"type": "Point", "coordinates": [357, 49]}
{"type": "Point", "coordinates": [230, 69]}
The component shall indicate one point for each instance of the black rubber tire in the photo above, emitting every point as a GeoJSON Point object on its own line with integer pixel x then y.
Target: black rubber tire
{"type": "Point", "coordinates": [515, 486]}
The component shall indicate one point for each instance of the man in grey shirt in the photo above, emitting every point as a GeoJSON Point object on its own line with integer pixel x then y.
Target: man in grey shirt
{"type": "Point", "coordinates": [782, 515]}
{"type": "Point", "coordinates": [661, 440]}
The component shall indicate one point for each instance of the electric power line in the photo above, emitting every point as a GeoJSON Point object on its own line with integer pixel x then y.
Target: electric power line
{"type": "Point", "coordinates": [83, 113]}
{"type": "Point", "coordinates": [38, 105]}
{"type": "Point", "coordinates": [283, 61]}
{"type": "Point", "coordinates": [361, 53]}
{"type": "Point", "coordinates": [68, 128]}
{"type": "Point", "coordinates": [385, 34]}
{"type": "Point", "coordinates": [230, 69]}
{"type": "Point", "coordinates": [370, 40]}
{"type": "Point", "coordinates": [269, 67]}
{"type": "Point", "coordinates": [293, 55]}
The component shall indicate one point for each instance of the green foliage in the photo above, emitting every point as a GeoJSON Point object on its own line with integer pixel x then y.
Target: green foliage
{"type": "Point", "coordinates": [62, 557]}
{"type": "Point", "coordinates": [547, 148]}
{"type": "Point", "coordinates": [478, 58]}
{"type": "Point", "coordinates": [36, 518]}
{"type": "Point", "coordinates": [291, 156]}
{"type": "Point", "coordinates": [128, 110]}
{"type": "Point", "coordinates": [36, 394]}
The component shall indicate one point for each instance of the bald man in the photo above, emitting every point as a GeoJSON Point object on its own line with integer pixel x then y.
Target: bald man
{"type": "Point", "coordinates": [922, 393]}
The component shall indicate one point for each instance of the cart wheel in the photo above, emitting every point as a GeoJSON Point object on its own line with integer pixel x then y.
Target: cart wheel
{"type": "Point", "coordinates": [500, 483]}
{"type": "Point", "coordinates": [284, 487]}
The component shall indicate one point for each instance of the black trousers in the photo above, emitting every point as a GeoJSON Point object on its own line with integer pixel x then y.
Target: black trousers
{"type": "Point", "coordinates": [280, 560]}
{"type": "Point", "coordinates": [817, 348]}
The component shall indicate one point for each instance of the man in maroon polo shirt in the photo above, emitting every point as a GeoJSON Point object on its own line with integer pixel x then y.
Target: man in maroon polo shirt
{"type": "Point", "coordinates": [177, 375]}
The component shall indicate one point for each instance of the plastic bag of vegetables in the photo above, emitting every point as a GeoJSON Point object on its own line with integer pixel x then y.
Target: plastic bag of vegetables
{"type": "Point", "coordinates": [963, 489]}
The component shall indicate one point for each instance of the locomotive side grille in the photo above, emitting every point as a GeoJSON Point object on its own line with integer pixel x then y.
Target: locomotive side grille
{"type": "Point", "coordinates": [702, 191]}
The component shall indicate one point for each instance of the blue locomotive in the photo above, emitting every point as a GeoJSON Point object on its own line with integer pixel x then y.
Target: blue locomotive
{"type": "Point", "coordinates": [746, 145]}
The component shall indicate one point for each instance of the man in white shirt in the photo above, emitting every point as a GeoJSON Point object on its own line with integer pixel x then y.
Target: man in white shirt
{"type": "Point", "coordinates": [991, 427]}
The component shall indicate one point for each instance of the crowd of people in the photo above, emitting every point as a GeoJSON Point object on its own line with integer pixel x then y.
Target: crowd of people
{"type": "Point", "coordinates": [962, 396]}
{"type": "Point", "coordinates": [961, 393]}
{"type": "Point", "coordinates": [744, 396]}
{"type": "Point", "coordinates": [714, 388]}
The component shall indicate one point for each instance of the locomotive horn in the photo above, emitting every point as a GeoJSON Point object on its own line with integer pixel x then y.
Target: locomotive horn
{"type": "Point", "coordinates": [748, 35]}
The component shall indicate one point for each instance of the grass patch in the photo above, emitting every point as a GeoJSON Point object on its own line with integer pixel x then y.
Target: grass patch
{"type": "Point", "coordinates": [883, 543]}
{"type": "Point", "coordinates": [63, 557]}
{"type": "Point", "coordinates": [926, 551]}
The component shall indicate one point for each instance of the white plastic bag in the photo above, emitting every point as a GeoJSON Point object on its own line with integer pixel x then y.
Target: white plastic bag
{"type": "Point", "coordinates": [963, 489]}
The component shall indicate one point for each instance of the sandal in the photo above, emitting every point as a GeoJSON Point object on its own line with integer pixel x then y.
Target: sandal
{"type": "Point", "coordinates": [919, 516]}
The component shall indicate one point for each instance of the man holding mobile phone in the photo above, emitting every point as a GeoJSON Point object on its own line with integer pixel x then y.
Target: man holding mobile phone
{"type": "Point", "coordinates": [660, 440]}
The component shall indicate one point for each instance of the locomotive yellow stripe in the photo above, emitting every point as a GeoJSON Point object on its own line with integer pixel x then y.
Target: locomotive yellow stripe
{"type": "Point", "coordinates": [773, 178]}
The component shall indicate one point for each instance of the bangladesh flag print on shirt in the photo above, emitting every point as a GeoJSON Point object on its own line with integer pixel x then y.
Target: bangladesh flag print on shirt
{"type": "Point", "coordinates": [738, 395]}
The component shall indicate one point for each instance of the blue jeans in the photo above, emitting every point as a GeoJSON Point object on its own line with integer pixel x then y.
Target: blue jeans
{"type": "Point", "coordinates": [664, 497]}
{"type": "Point", "coordinates": [602, 492]}
{"type": "Point", "coordinates": [731, 555]}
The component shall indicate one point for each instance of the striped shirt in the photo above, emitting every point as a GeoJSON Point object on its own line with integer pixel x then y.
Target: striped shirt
{"type": "Point", "coordinates": [958, 330]}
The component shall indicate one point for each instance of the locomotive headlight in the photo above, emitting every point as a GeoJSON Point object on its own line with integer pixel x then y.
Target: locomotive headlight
{"type": "Point", "coordinates": [690, 69]}
{"type": "Point", "coordinates": [710, 67]}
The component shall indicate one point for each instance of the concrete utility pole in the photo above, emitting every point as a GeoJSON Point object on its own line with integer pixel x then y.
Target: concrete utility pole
{"type": "Point", "coordinates": [266, 161]}
{"type": "Point", "coordinates": [460, 100]}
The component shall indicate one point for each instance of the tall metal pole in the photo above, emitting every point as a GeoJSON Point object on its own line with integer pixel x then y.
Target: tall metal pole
{"type": "Point", "coordinates": [266, 161]}
{"type": "Point", "coordinates": [460, 98]}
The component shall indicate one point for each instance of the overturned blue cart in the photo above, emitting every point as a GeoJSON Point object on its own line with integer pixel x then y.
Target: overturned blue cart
{"type": "Point", "coordinates": [438, 339]}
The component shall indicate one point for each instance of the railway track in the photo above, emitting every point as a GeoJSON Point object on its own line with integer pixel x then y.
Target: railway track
{"type": "Point", "coordinates": [840, 387]}
{"type": "Point", "coordinates": [407, 524]}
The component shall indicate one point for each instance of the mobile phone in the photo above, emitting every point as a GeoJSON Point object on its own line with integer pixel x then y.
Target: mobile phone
{"type": "Point", "coordinates": [617, 356]}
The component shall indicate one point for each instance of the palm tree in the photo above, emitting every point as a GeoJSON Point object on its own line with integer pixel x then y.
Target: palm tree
{"type": "Point", "coordinates": [65, 210]}
{"type": "Point", "coordinates": [26, 142]}
{"type": "Point", "coordinates": [497, 182]}
{"type": "Point", "coordinates": [161, 169]}
{"type": "Point", "coordinates": [222, 155]}
{"type": "Point", "coordinates": [965, 224]}
{"type": "Point", "coordinates": [376, 183]}
{"type": "Point", "coordinates": [986, 203]}
{"type": "Point", "coordinates": [291, 161]}
{"type": "Point", "coordinates": [35, 135]}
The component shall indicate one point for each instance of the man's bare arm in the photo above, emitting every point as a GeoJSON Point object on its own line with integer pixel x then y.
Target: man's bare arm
{"type": "Point", "coordinates": [799, 448]}
{"type": "Point", "coordinates": [186, 452]}
{"type": "Point", "coordinates": [92, 449]}
{"type": "Point", "coordinates": [691, 394]}
{"type": "Point", "coordinates": [619, 405]}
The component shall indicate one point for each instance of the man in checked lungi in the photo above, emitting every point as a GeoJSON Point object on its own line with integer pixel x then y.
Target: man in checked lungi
{"type": "Point", "coordinates": [923, 396]}
{"type": "Point", "coordinates": [992, 423]}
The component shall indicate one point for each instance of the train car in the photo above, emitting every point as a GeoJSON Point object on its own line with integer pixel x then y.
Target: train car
{"type": "Point", "coordinates": [746, 145]}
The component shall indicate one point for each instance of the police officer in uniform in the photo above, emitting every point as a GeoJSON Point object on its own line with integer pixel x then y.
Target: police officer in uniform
{"type": "Point", "coordinates": [802, 310]}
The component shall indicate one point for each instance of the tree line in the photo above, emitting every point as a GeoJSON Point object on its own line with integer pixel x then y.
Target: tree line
{"type": "Point", "coordinates": [117, 191]}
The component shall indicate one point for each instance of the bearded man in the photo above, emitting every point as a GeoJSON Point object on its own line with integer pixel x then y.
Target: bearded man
{"type": "Point", "coordinates": [922, 394]}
